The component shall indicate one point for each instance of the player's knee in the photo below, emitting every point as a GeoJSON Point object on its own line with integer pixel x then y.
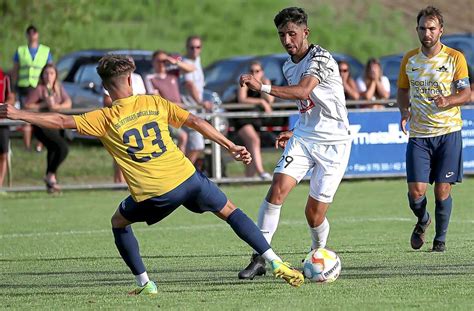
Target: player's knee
{"type": "Point", "coordinates": [442, 191]}
{"type": "Point", "coordinates": [276, 195]}
{"type": "Point", "coordinates": [416, 193]}
{"type": "Point", "coordinates": [118, 221]}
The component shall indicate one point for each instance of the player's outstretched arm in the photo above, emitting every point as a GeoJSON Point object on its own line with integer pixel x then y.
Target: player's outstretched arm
{"type": "Point", "coordinates": [48, 120]}
{"type": "Point", "coordinates": [300, 91]}
{"type": "Point", "coordinates": [403, 103]}
{"type": "Point", "coordinates": [239, 153]}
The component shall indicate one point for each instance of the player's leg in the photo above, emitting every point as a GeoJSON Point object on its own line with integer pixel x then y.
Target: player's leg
{"type": "Point", "coordinates": [418, 167]}
{"type": "Point", "coordinates": [210, 198]}
{"type": "Point", "coordinates": [290, 169]}
{"type": "Point", "coordinates": [331, 162]}
{"type": "Point", "coordinates": [447, 171]}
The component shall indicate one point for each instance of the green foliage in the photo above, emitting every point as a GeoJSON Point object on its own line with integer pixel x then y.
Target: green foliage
{"type": "Point", "coordinates": [58, 253]}
{"type": "Point", "coordinates": [229, 27]}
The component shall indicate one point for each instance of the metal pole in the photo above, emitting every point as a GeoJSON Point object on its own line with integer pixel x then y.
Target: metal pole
{"type": "Point", "coordinates": [216, 152]}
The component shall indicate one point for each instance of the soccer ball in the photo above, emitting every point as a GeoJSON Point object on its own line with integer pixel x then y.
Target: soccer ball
{"type": "Point", "coordinates": [322, 265]}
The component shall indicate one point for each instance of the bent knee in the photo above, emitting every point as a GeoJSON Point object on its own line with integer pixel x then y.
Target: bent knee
{"type": "Point", "coordinates": [118, 221]}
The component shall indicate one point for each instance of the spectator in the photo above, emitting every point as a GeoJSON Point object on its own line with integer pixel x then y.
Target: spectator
{"type": "Point", "coordinates": [165, 82]}
{"type": "Point", "coordinates": [194, 85]}
{"type": "Point", "coordinates": [27, 64]}
{"type": "Point", "coordinates": [6, 97]}
{"type": "Point", "coordinates": [350, 88]}
{"type": "Point", "coordinates": [247, 129]}
{"type": "Point", "coordinates": [373, 84]}
{"type": "Point", "coordinates": [138, 88]}
{"type": "Point", "coordinates": [470, 70]}
{"type": "Point", "coordinates": [51, 96]}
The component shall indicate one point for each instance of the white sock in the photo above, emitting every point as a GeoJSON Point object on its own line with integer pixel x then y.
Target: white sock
{"type": "Point", "coordinates": [268, 217]}
{"type": "Point", "coordinates": [142, 279]}
{"type": "Point", "coordinates": [270, 256]}
{"type": "Point", "coordinates": [319, 235]}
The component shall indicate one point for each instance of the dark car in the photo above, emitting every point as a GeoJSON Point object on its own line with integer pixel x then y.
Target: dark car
{"type": "Point", "coordinates": [391, 67]}
{"type": "Point", "coordinates": [233, 68]}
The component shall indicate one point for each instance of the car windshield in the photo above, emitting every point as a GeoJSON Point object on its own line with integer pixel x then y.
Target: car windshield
{"type": "Point", "coordinates": [222, 71]}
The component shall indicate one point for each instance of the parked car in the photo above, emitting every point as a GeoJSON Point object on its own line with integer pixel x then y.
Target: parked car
{"type": "Point", "coordinates": [391, 68]}
{"type": "Point", "coordinates": [231, 69]}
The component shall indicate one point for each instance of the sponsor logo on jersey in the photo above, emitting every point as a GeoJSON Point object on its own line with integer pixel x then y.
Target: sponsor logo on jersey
{"type": "Point", "coordinates": [306, 105]}
{"type": "Point", "coordinates": [415, 68]}
{"type": "Point", "coordinates": [442, 69]}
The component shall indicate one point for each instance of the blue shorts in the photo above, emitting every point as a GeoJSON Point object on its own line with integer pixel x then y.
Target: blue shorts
{"type": "Point", "coordinates": [435, 159]}
{"type": "Point", "coordinates": [197, 193]}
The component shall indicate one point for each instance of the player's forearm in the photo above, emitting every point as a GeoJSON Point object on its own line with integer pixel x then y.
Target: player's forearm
{"type": "Point", "coordinates": [48, 120]}
{"type": "Point", "coordinates": [290, 92]}
{"type": "Point", "coordinates": [403, 100]}
{"type": "Point", "coordinates": [460, 98]}
{"type": "Point", "coordinates": [208, 131]}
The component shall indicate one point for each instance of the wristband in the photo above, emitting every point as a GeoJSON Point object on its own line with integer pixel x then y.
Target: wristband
{"type": "Point", "coordinates": [266, 88]}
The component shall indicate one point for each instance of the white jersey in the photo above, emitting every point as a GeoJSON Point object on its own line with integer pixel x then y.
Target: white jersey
{"type": "Point", "coordinates": [323, 117]}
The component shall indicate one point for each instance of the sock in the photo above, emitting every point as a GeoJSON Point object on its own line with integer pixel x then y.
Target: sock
{"type": "Point", "coordinates": [270, 256]}
{"type": "Point", "coordinates": [442, 215]}
{"type": "Point", "coordinates": [268, 217]}
{"type": "Point", "coordinates": [246, 229]}
{"type": "Point", "coordinates": [127, 246]}
{"type": "Point", "coordinates": [319, 235]}
{"type": "Point", "coordinates": [419, 208]}
{"type": "Point", "coordinates": [142, 279]}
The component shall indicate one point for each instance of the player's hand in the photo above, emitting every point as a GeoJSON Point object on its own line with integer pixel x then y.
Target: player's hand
{"type": "Point", "coordinates": [250, 82]}
{"type": "Point", "coordinates": [441, 101]}
{"type": "Point", "coordinates": [404, 120]}
{"type": "Point", "coordinates": [8, 112]}
{"type": "Point", "coordinates": [282, 139]}
{"type": "Point", "coordinates": [207, 105]}
{"type": "Point", "coordinates": [240, 153]}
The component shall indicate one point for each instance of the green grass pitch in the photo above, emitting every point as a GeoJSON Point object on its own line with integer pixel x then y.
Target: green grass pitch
{"type": "Point", "coordinates": [58, 253]}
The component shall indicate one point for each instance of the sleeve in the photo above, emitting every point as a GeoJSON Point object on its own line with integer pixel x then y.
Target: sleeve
{"type": "Point", "coordinates": [16, 57]}
{"type": "Point", "coordinates": [319, 66]}
{"type": "Point", "coordinates": [188, 77]}
{"type": "Point", "coordinates": [92, 123]}
{"type": "Point", "coordinates": [176, 115]}
{"type": "Point", "coordinates": [361, 85]}
{"type": "Point", "coordinates": [64, 94]}
{"type": "Point", "coordinates": [461, 73]}
{"type": "Point", "coordinates": [402, 76]}
{"type": "Point", "coordinates": [386, 83]}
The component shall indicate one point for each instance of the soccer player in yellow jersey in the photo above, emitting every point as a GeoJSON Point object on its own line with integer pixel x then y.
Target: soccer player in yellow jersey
{"type": "Point", "coordinates": [432, 85]}
{"type": "Point", "coordinates": [160, 178]}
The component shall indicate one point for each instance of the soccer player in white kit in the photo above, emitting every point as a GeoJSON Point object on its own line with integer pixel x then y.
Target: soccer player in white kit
{"type": "Point", "coordinates": [320, 140]}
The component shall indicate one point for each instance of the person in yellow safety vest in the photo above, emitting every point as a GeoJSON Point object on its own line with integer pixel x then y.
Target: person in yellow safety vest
{"type": "Point", "coordinates": [28, 62]}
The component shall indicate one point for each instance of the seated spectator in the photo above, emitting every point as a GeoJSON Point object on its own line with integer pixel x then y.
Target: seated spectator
{"type": "Point", "coordinates": [373, 84]}
{"type": "Point", "coordinates": [6, 97]}
{"type": "Point", "coordinates": [350, 88]}
{"type": "Point", "coordinates": [165, 82]}
{"type": "Point", "coordinates": [138, 88]}
{"type": "Point", "coordinates": [247, 129]}
{"type": "Point", "coordinates": [51, 96]}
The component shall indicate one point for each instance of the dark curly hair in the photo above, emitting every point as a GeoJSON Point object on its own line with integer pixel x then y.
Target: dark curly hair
{"type": "Point", "coordinates": [293, 15]}
{"type": "Point", "coordinates": [113, 66]}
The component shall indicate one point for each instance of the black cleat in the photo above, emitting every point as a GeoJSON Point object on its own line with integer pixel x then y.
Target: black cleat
{"type": "Point", "coordinates": [418, 236]}
{"type": "Point", "coordinates": [256, 267]}
{"type": "Point", "coordinates": [438, 246]}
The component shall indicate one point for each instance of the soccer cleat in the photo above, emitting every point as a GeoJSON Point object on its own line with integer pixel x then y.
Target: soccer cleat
{"type": "Point", "coordinates": [285, 271]}
{"type": "Point", "coordinates": [418, 235]}
{"type": "Point", "coordinates": [148, 289]}
{"type": "Point", "coordinates": [438, 246]}
{"type": "Point", "coordinates": [255, 268]}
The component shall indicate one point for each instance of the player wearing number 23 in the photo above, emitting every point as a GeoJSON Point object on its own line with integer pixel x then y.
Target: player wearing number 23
{"type": "Point", "coordinates": [160, 178]}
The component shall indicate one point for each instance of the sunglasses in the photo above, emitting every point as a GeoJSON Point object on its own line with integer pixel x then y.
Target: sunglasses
{"type": "Point", "coordinates": [255, 70]}
{"type": "Point", "coordinates": [196, 47]}
{"type": "Point", "coordinates": [343, 70]}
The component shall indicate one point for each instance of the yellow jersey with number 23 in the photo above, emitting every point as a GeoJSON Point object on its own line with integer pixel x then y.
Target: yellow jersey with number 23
{"type": "Point", "coordinates": [135, 132]}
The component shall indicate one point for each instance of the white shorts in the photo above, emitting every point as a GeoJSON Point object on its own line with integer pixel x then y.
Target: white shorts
{"type": "Point", "coordinates": [195, 140]}
{"type": "Point", "coordinates": [328, 162]}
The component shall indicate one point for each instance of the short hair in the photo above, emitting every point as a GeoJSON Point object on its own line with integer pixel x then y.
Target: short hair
{"type": "Point", "coordinates": [293, 15]}
{"type": "Point", "coordinates": [31, 28]}
{"type": "Point", "coordinates": [156, 53]}
{"type": "Point", "coordinates": [430, 11]}
{"type": "Point", "coordinates": [114, 66]}
{"type": "Point", "coordinates": [255, 62]}
{"type": "Point", "coordinates": [193, 37]}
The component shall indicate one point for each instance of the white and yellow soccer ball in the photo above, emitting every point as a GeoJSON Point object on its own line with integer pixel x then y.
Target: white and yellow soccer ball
{"type": "Point", "coordinates": [322, 265]}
